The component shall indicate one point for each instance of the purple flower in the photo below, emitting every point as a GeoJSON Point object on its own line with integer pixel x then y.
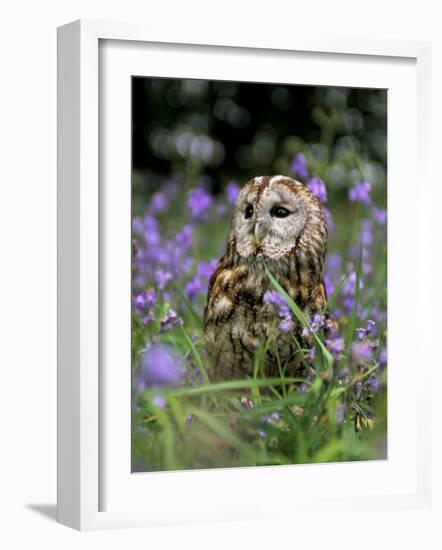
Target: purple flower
{"type": "Point", "coordinates": [272, 297]}
{"type": "Point", "coordinates": [170, 320]}
{"type": "Point", "coordinates": [199, 283]}
{"type": "Point", "coordinates": [361, 332]}
{"type": "Point", "coordinates": [336, 346]}
{"type": "Point", "coordinates": [194, 287]}
{"type": "Point", "coordinates": [362, 352]}
{"type": "Point", "coordinates": [232, 191]}
{"type": "Point", "coordinates": [299, 166]}
{"type": "Point", "coordinates": [159, 401]}
{"type": "Point", "coordinates": [262, 433]}
{"type": "Point", "coordinates": [374, 383]}
{"type": "Point", "coordinates": [379, 215]}
{"type": "Point", "coordinates": [286, 325]}
{"type": "Point", "coordinates": [349, 286]}
{"type": "Point", "coordinates": [184, 237]}
{"type": "Point", "coordinates": [328, 219]}
{"type": "Point", "coordinates": [329, 286]}
{"type": "Point", "coordinates": [377, 314]}
{"type": "Point", "coordinates": [383, 359]}
{"type": "Point", "coordinates": [161, 366]}
{"type": "Point", "coordinates": [158, 203]}
{"type": "Point", "coordinates": [144, 301]}
{"type": "Point", "coordinates": [370, 326]}
{"type": "Point", "coordinates": [162, 277]}
{"type": "Point", "coordinates": [317, 187]}
{"type": "Point", "coordinates": [340, 413]}
{"type": "Point", "coordinates": [360, 192]}
{"type": "Point", "coordinates": [206, 269]}
{"type": "Point", "coordinates": [334, 264]}
{"type": "Point", "coordinates": [318, 321]}
{"type": "Point", "coordinates": [366, 233]}
{"type": "Point", "coordinates": [199, 201]}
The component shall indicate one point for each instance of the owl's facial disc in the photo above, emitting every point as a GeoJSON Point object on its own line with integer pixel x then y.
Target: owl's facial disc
{"type": "Point", "coordinates": [268, 220]}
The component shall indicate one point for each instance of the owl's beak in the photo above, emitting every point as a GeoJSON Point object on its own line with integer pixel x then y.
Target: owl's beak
{"type": "Point", "coordinates": [260, 231]}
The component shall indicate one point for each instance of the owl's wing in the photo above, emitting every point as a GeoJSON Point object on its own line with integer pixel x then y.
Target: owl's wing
{"type": "Point", "coordinates": [215, 289]}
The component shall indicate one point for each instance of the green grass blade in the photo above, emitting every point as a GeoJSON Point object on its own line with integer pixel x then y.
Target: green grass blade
{"type": "Point", "coordinates": [331, 301]}
{"type": "Point", "coordinates": [351, 327]}
{"type": "Point", "coordinates": [232, 385]}
{"type": "Point", "coordinates": [301, 318]}
{"type": "Point", "coordinates": [196, 356]}
{"type": "Point", "coordinates": [193, 313]}
{"type": "Point", "coordinates": [222, 431]}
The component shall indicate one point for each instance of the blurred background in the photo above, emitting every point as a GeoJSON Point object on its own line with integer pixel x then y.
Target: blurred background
{"type": "Point", "coordinates": [237, 130]}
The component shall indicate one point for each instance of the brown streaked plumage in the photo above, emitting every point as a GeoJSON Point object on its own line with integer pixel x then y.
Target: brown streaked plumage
{"type": "Point", "coordinates": [278, 221]}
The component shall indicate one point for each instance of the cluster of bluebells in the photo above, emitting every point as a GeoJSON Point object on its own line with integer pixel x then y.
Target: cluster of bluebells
{"type": "Point", "coordinates": [360, 192]}
{"type": "Point", "coordinates": [164, 267]}
{"type": "Point", "coordinates": [199, 283]}
{"type": "Point", "coordinates": [274, 298]}
{"type": "Point", "coordinates": [160, 366]}
{"type": "Point", "coordinates": [364, 349]}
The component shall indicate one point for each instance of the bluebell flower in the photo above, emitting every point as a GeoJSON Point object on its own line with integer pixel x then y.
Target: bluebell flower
{"type": "Point", "coordinates": [160, 366]}
{"type": "Point", "coordinates": [158, 203]}
{"type": "Point", "coordinates": [286, 325]}
{"type": "Point", "coordinates": [340, 413]}
{"type": "Point", "coordinates": [206, 269]}
{"type": "Point", "coordinates": [159, 401]}
{"type": "Point", "coordinates": [336, 346]}
{"type": "Point", "coordinates": [184, 238]}
{"type": "Point", "coordinates": [170, 320]}
{"type": "Point", "coordinates": [299, 166]}
{"type": "Point", "coordinates": [317, 187]}
{"type": "Point", "coordinates": [360, 192]}
{"type": "Point", "coordinates": [362, 352]}
{"type": "Point", "coordinates": [383, 358]}
{"type": "Point", "coordinates": [232, 191]}
{"type": "Point", "coordinates": [199, 201]}
{"type": "Point", "coordinates": [379, 215]}
{"type": "Point", "coordinates": [162, 277]}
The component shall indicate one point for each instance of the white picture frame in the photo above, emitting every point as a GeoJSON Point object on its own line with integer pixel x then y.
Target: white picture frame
{"type": "Point", "coordinates": [82, 468]}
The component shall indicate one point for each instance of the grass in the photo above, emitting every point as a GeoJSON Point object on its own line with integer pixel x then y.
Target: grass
{"type": "Point", "coordinates": [257, 420]}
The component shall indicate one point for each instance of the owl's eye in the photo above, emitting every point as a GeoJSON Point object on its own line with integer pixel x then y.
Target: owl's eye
{"type": "Point", "coordinates": [248, 212]}
{"type": "Point", "coordinates": [279, 212]}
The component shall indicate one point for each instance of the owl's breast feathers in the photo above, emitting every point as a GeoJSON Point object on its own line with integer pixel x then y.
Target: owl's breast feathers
{"type": "Point", "coordinates": [237, 318]}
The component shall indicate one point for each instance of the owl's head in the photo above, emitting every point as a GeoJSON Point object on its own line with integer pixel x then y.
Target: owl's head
{"type": "Point", "coordinates": [272, 214]}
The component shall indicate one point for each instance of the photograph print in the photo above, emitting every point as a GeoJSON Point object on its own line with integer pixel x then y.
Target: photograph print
{"type": "Point", "coordinates": [259, 274]}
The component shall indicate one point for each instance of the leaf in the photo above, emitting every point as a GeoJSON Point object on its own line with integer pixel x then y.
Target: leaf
{"type": "Point", "coordinates": [196, 356]}
{"type": "Point", "coordinates": [192, 311]}
{"type": "Point", "coordinates": [231, 385]}
{"type": "Point", "coordinates": [301, 318]}
{"type": "Point", "coordinates": [334, 295]}
{"type": "Point", "coordinates": [223, 432]}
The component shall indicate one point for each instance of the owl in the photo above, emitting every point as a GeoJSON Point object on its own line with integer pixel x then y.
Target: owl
{"type": "Point", "coordinates": [279, 224]}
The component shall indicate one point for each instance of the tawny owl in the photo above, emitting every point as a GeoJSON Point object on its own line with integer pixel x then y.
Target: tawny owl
{"type": "Point", "coordinates": [278, 223]}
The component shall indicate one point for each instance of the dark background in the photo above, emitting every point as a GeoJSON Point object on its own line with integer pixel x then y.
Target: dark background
{"type": "Point", "coordinates": [246, 129]}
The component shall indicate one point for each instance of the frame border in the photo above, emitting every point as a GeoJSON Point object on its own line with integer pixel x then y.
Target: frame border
{"type": "Point", "coordinates": [78, 251]}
